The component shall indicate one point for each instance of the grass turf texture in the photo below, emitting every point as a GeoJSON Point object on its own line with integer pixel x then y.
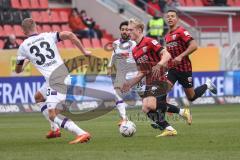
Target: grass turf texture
{"type": "Point", "coordinates": [214, 135]}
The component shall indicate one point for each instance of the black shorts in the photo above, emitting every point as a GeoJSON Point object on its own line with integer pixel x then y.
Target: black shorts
{"type": "Point", "coordinates": [183, 78]}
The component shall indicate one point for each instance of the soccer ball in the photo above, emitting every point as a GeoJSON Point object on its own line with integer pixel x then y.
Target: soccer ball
{"type": "Point", "coordinates": [127, 129]}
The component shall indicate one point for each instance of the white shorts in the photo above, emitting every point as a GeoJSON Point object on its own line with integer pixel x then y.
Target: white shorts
{"type": "Point", "coordinates": [121, 78]}
{"type": "Point", "coordinates": [54, 98]}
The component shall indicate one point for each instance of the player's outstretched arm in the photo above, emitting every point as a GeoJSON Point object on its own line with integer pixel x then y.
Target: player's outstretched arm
{"type": "Point", "coordinates": [66, 35]}
{"type": "Point", "coordinates": [21, 65]}
{"type": "Point", "coordinates": [111, 63]}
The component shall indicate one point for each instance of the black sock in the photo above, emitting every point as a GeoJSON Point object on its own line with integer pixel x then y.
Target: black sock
{"type": "Point", "coordinates": [172, 109]}
{"type": "Point", "coordinates": [164, 124]}
{"type": "Point", "coordinates": [159, 118]}
{"type": "Point", "coordinates": [199, 91]}
{"type": "Point", "coordinates": [152, 115]}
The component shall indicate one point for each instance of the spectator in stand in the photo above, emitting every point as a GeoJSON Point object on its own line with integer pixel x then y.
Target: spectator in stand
{"type": "Point", "coordinates": [11, 42]}
{"type": "Point", "coordinates": [157, 28]}
{"type": "Point", "coordinates": [141, 4]}
{"type": "Point", "coordinates": [153, 5]}
{"type": "Point", "coordinates": [77, 25]}
{"type": "Point", "coordinates": [90, 23]}
{"type": "Point", "coordinates": [163, 4]}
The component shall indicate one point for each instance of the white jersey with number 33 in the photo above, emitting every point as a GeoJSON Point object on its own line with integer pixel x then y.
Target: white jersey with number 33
{"type": "Point", "coordinates": [42, 51]}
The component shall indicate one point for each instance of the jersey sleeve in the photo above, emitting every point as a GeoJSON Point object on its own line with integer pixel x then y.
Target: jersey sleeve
{"type": "Point", "coordinates": [112, 59]}
{"type": "Point", "coordinates": [133, 45]}
{"type": "Point", "coordinates": [113, 56]}
{"type": "Point", "coordinates": [55, 36]}
{"type": "Point", "coordinates": [185, 35]}
{"type": "Point", "coordinates": [20, 55]}
{"type": "Point", "coordinates": [155, 46]}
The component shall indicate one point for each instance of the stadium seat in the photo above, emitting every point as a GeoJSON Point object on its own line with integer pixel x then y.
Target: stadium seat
{"type": "Point", "coordinates": [39, 28]}
{"type": "Point", "coordinates": [8, 29]}
{"type": "Point", "coordinates": [1, 44]}
{"type": "Point", "coordinates": [211, 45]}
{"type": "Point", "coordinates": [86, 43]}
{"type": "Point", "coordinates": [182, 2]}
{"type": "Point", "coordinates": [198, 3]}
{"type": "Point", "coordinates": [25, 4]}
{"type": "Point", "coordinates": [60, 45]}
{"type": "Point", "coordinates": [2, 32]}
{"type": "Point", "coordinates": [132, 1]}
{"type": "Point", "coordinates": [54, 17]}
{"type": "Point", "coordinates": [34, 4]}
{"type": "Point", "coordinates": [231, 2]}
{"type": "Point", "coordinates": [19, 41]}
{"type": "Point", "coordinates": [237, 3]}
{"type": "Point", "coordinates": [36, 16]}
{"type": "Point", "coordinates": [56, 28]}
{"type": "Point", "coordinates": [68, 44]}
{"type": "Point", "coordinates": [63, 16]}
{"type": "Point", "coordinates": [96, 43]}
{"type": "Point", "coordinates": [46, 28]}
{"type": "Point", "coordinates": [45, 17]}
{"type": "Point", "coordinates": [104, 42]}
{"type": "Point", "coordinates": [189, 3]}
{"type": "Point", "coordinates": [43, 4]}
{"type": "Point", "coordinates": [226, 45]}
{"type": "Point", "coordinates": [66, 28]}
{"type": "Point", "coordinates": [108, 36]}
{"type": "Point", "coordinates": [15, 4]}
{"type": "Point", "coordinates": [18, 31]}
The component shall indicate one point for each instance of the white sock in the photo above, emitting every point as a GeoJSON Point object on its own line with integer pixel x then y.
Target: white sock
{"type": "Point", "coordinates": [170, 128]}
{"type": "Point", "coordinates": [44, 111]}
{"type": "Point", "coordinates": [121, 106]}
{"type": "Point", "coordinates": [69, 125]}
{"type": "Point", "coordinates": [181, 111]}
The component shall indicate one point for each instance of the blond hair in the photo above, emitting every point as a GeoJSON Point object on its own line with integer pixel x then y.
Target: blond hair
{"type": "Point", "coordinates": [137, 23]}
{"type": "Point", "coordinates": [28, 25]}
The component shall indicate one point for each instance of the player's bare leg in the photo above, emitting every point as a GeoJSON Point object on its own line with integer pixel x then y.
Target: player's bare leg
{"type": "Point", "coordinates": [55, 130]}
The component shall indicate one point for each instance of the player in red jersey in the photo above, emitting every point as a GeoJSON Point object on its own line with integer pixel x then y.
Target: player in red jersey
{"type": "Point", "coordinates": [180, 44]}
{"type": "Point", "coordinates": [150, 58]}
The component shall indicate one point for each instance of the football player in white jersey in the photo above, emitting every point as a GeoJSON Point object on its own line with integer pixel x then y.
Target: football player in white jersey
{"type": "Point", "coordinates": [125, 66]}
{"type": "Point", "coordinates": [41, 50]}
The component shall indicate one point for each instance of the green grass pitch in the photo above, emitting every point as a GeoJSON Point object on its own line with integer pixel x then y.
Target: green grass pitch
{"type": "Point", "coordinates": [214, 135]}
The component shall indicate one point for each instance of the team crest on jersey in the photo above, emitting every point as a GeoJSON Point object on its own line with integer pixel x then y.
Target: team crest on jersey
{"type": "Point", "coordinates": [186, 33]}
{"type": "Point", "coordinates": [144, 49]}
{"type": "Point", "coordinates": [174, 36]}
{"type": "Point", "coordinates": [155, 42]}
